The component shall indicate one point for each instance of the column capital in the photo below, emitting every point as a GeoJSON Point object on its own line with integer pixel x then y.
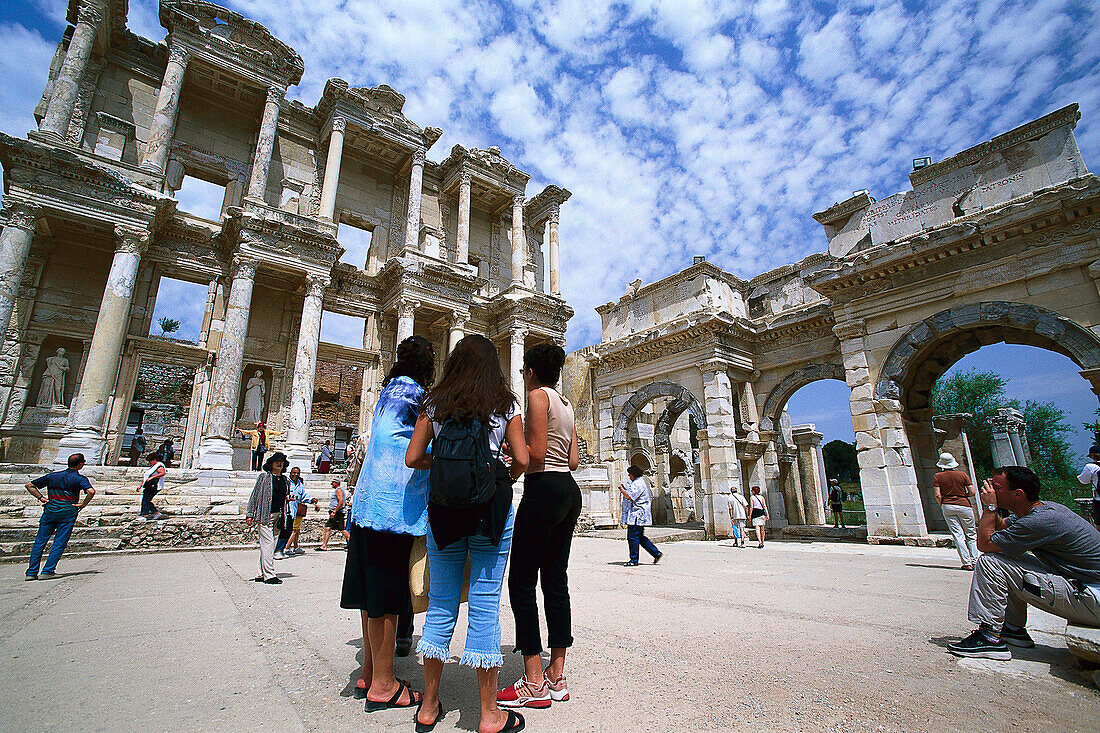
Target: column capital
{"type": "Point", "coordinates": [517, 200]}
{"type": "Point", "coordinates": [245, 267]}
{"type": "Point", "coordinates": [337, 124]}
{"type": "Point", "coordinates": [459, 319]}
{"type": "Point", "coordinates": [850, 329]}
{"type": "Point", "coordinates": [275, 94]}
{"type": "Point", "coordinates": [90, 14]}
{"type": "Point", "coordinates": [465, 178]}
{"type": "Point", "coordinates": [554, 215]}
{"type": "Point", "coordinates": [177, 54]}
{"type": "Point", "coordinates": [419, 156]}
{"type": "Point", "coordinates": [22, 216]}
{"type": "Point", "coordinates": [713, 366]}
{"type": "Point", "coordinates": [406, 307]}
{"type": "Point", "coordinates": [518, 333]}
{"type": "Point", "coordinates": [131, 241]}
{"type": "Point", "coordinates": [316, 284]}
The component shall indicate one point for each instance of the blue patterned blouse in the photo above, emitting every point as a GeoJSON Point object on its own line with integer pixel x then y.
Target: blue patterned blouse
{"type": "Point", "coordinates": [389, 496]}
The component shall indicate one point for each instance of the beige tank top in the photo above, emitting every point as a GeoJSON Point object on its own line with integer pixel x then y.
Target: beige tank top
{"type": "Point", "coordinates": [559, 434]}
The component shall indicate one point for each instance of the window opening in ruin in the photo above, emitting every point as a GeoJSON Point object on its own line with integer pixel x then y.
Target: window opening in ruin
{"type": "Point", "coordinates": [340, 444]}
{"type": "Point", "coordinates": [356, 243]}
{"type": "Point", "coordinates": [201, 198]}
{"type": "Point", "coordinates": [133, 422]}
{"type": "Point", "coordinates": [183, 302]}
{"type": "Point", "coordinates": [337, 328]}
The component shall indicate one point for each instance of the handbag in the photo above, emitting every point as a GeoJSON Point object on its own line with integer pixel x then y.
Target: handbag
{"type": "Point", "coordinates": [420, 578]}
{"type": "Point", "coordinates": [302, 510]}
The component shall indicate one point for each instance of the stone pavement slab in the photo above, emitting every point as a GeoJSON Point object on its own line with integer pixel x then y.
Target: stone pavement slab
{"type": "Point", "coordinates": [794, 637]}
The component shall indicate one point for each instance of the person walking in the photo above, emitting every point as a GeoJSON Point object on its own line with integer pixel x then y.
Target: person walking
{"type": "Point", "coordinates": [265, 505]}
{"type": "Point", "coordinates": [137, 446]}
{"type": "Point", "coordinates": [738, 506]}
{"type": "Point", "coordinates": [389, 511]}
{"type": "Point", "coordinates": [151, 485]}
{"type": "Point", "coordinates": [636, 516]}
{"type": "Point", "coordinates": [953, 491]}
{"type": "Point", "coordinates": [261, 443]}
{"type": "Point", "coordinates": [472, 388]}
{"type": "Point", "coordinates": [836, 503]}
{"type": "Point", "coordinates": [324, 458]}
{"type": "Point", "coordinates": [1090, 476]}
{"type": "Point", "coordinates": [59, 512]}
{"type": "Point", "coordinates": [543, 533]}
{"type": "Point", "coordinates": [759, 514]}
{"type": "Point", "coordinates": [284, 525]}
{"type": "Point", "coordinates": [167, 452]}
{"type": "Point", "coordinates": [335, 521]}
{"type": "Point", "coordinates": [298, 501]}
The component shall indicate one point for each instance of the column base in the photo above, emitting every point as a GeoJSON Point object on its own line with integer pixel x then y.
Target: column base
{"type": "Point", "coordinates": [299, 456]}
{"type": "Point", "coordinates": [89, 442]}
{"type": "Point", "coordinates": [215, 453]}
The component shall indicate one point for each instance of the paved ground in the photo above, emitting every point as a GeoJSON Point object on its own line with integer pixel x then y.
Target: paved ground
{"type": "Point", "coordinates": [800, 637]}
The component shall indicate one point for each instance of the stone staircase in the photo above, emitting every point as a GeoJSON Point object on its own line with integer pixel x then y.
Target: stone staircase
{"type": "Point", "coordinates": [205, 508]}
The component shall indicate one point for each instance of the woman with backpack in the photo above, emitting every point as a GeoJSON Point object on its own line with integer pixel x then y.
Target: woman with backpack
{"type": "Point", "coordinates": [388, 510]}
{"type": "Point", "coordinates": [543, 533]}
{"type": "Point", "coordinates": [467, 418]}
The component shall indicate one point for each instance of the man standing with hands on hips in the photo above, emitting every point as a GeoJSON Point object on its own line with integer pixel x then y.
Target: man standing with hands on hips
{"type": "Point", "coordinates": [59, 510]}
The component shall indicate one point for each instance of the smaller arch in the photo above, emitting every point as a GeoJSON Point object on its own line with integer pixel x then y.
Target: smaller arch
{"type": "Point", "coordinates": [682, 399]}
{"type": "Point", "coordinates": [790, 384]}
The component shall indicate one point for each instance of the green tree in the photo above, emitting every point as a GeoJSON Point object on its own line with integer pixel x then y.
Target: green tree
{"type": "Point", "coordinates": [840, 460]}
{"type": "Point", "coordinates": [1046, 431]}
{"type": "Point", "coordinates": [168, 325]}
{"type": "Point", "coordinates": [979, 393]}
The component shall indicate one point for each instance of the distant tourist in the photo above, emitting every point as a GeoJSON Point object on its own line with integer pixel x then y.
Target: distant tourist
{"type": "Point", "coordinates": [636, 516]}
{"type": "Point", "coordinates": [836, 503]}
{"type": "Point", "coordinates": [953, 491]}
{"type": "Point", "coordinates": [1061, 575]}
{"type": "Point", "coordinates": [472, 387]}
{"type": "Point", "coordinates": [167, 452]}
{"type": "Point", "coordinates": [389, 511]}
{"type": "Point", "coordinates": [335, 521]}
{"type": "Point", "coordinates": [137, 447]}
{"type": "Point", "coordinates": [59, 510]}
{"type": "Point", "coordinates": [265, 506]}
{"type": "Point", "coordinates": [151, 485]}
{"type": "Point", "coordinates": [1090, 476]}
{"type": "Point", "coordinates": [324, 458]}
{"type": "Point", "coordinates": [738, 514]}
{"type": "Point", "coordinates": [261, 442]}
{"type": "Point", "coordinates": [543, 533]}
{"type": "Point", "coordinates": [759, 514]}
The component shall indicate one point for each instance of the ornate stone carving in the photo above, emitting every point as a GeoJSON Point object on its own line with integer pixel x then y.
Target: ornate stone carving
{"type": "Point", "coordinates": [419, 156]}
{"type": "Point", "coordinates": [338, 124]}
{"type": "Point", "coordinates": [177, 54]}
{"type": "Point", "coordinates": [316, 284]}
{"type": "Point", "coordinates": [22, 216]}
{"type": "Point", "coordinates": [648, 393]}
{"type": "Point", "coordinates": [51, 393]}
{"type": "Point", "coordinates": [131, 241]}
{"type": "Point", "coordinates": [244, 267]}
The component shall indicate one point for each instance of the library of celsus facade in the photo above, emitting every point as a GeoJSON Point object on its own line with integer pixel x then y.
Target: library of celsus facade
{"type": "Point", "coordinates": [92, 226]}
{"type": "Point", "coordinates": [998, 243]}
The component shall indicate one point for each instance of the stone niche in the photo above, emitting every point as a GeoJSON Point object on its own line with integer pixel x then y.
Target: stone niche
{"type": "Point", "coordinates": [74, 353]}
{"type": "Point", "coordinates": [247, 375]}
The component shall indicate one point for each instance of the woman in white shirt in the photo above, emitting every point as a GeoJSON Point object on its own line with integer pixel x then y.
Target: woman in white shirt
{"type": "Point", "coordinates": [636, 516]}
{"type": "Point", "coordinates": [152, 483]}
{"type": "Point", "coordinates": [759, 514]}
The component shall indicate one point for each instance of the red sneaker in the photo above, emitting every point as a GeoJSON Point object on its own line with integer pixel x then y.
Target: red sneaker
{"type": "Point", "coordinates": [558, 691]}
{"type": "Point", "coordinates": [523, 694]}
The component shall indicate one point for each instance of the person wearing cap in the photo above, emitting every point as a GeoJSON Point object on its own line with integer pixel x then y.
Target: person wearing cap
{"type": "Point", "coordinates": [1090, 476]}
{"type": "Point", "coordinates": [953, 491]}
{"type": "Point", "coordinates": [265, 506]}
{"type": "Point", "coordinates": [261, 441]}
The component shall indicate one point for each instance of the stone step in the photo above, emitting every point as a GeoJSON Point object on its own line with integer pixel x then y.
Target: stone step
{"type": "Point", "coordinates": [26, 534]}
{"type": "Point", "coordinates": [819, 533]}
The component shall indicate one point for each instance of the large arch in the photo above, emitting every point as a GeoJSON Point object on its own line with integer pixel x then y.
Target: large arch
{"type": "Point", "coordinates": [682, 399]}
{"type": "Point", "coordinates": [929, 348]}
{"type": "Point", "coordinates": [777, 398]}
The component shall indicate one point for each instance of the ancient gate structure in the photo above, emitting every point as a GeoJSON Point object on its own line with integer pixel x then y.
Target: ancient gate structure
{"type": "Point", "coordinates": [91, 226]}
{"type": "Point", "coordinates": [999, 243]}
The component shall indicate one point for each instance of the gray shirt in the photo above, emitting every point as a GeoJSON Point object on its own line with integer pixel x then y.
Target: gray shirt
{"type": "Point", "coordinates": [1058, 537]}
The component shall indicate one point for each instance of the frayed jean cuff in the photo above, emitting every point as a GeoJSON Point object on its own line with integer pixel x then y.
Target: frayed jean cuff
{"type": "Point", "coordinates": [481, 660]}
{"type": "Point", "coordinates": [432, 651]}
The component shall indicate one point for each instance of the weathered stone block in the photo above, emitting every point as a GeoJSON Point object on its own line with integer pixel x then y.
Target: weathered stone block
{"type": "Point", "coordinates": [1083, 642]}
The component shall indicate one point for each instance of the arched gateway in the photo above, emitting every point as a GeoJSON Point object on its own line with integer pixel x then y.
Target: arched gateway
{"type": "Point", "coordinates": [999, 243]}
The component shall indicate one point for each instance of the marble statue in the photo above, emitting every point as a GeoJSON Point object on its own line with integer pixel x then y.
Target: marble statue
{"type": "Point", "coordinates": [52, 391]}
{"type": "Point", "coordinates": [254, 394]}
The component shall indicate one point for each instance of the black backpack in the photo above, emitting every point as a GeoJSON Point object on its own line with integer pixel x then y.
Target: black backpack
{"type": "Point", "coordinates": [463, 468]}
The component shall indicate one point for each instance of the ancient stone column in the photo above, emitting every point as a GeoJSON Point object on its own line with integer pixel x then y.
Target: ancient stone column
{"type": "Point", "coordinates": [332, 168]}
{"type": "Point", "coordinates": [416, 191]}
{"type": "Point", "coordinates": [15, 244]}
{"type": "Point", "coordinates": [790, 485]}
{"type": "Point", "coordinates": [661, 507]}
{"type": "Point", "coordinates": [88, 414]}
{"type": "Point", "coordinates": [406, 317]}
{"type": "Point", "coordinates": [457, 330]}
{"type": "Point", "coordinates": [462, 253]}
{"type": "Point", "coordinates": [519, 250]}
{"type": "Point", "coordinates": [305, 365]}
{"type": "Point", "coordinates": [215, 450]}
{"type": "Point", "coordinates": [164, 116]}
{"type": "Point", "coordinates": [552, 238]}
{"type": "Point", "coordinates": [66, 87]}
{"type": "Point", "coordinates": [265, 143]}
{"type": "Point", "coordinates": [807, 440]}
{"type": "Point", "coordinates": [887, 479]}
{"type": "Point", "coordinates": [516, 338]}
{"type": "Point", "coordinates": [1008, 449]}
{"type": "Point", "coordinates": [724, 470]}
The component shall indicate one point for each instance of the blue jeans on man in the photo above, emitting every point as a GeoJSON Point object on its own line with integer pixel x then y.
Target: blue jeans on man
{"type": "Point", "coordinates": [635, 536]}
{"type": "Point", "coordinates": [61, 527]}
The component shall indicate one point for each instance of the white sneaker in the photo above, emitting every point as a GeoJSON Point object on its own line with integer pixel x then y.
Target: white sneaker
{"type": "Point", "coordinates": [523, 694]}
{"type": "Point", "coordinates": [558, 691]}
{"type": "Point", "coordinates": [280, 556]}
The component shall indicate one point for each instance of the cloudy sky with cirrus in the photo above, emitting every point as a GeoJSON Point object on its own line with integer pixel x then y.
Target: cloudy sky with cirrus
{"type": "Point", "coordinates": [685, 127]}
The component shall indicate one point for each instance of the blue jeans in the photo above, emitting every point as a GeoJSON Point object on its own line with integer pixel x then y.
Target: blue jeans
{"type": "Point", "coordinates": [446, 568]}
{"type": "Point", "coordinates": [61, 527]}
{"type": "Point", "coordinates": [635, 535]}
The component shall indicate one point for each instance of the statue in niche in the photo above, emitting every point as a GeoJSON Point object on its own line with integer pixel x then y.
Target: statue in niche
{"type": "Point", "coordinates": [52, 391]}
{"type": "Point", "coordinates": [254, 393]}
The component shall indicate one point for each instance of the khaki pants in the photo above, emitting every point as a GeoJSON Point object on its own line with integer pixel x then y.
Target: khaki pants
{"type": "Point", "coordinates": [267, 547]}
{"type": "Point", "coordinates": [1003, 588]}
{"type": "Point", "coordinates": [960, 522]}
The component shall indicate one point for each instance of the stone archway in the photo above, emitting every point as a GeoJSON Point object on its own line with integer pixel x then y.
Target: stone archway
{"type": "Point", "coordinates": [777, 398]}
{"type": "Point", "coordinates": [929, 348]}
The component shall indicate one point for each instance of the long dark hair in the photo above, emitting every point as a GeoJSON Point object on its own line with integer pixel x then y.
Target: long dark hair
{"type": "Point", "coordinates": [472, 384]}
{"type": "Point", "coordinates": [415, 360]}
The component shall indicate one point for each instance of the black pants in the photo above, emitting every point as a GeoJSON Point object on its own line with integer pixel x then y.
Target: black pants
{"type": "Point", "coordinates": [258, 458]}
{"type": "Point", "coordinates": [405, 622]}
{"type": "Point", "coordinates": [148, 491]}
{"type": "Point", "coordinates": [541, 537]}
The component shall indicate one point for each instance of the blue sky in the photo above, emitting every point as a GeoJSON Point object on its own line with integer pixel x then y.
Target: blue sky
{"type": "Point", "coordinates": [682, 127]}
